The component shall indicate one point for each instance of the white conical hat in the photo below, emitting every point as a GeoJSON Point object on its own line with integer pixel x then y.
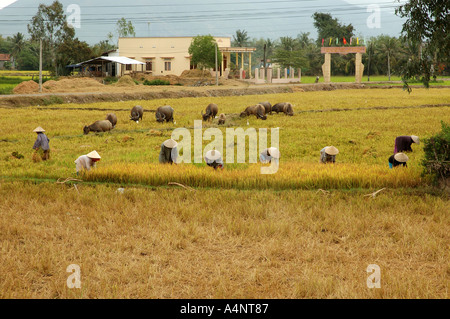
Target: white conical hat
{"type": "Point", "coordinates": [213, 155]}
{"type": "Point", "coordinates": [274, 152]}
{"type": "Point", "coordinates": [331, 150]}
{"type": "Point", "coordinates": [415, 139]}
{"type": "Point", "coordinates": [93, 154]}
{"type": "Point", "coordinates": [38, 129]}
{"type": "Point", "coordinates": [401, 157]}
{"type": "Point", "coordinates": [170, 143]}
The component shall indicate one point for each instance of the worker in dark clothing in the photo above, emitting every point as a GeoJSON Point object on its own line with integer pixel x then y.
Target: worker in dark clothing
{"type": "Point", "coordinates": [398, 159]}
{"type": "Point", "coordinates": [403, 143]}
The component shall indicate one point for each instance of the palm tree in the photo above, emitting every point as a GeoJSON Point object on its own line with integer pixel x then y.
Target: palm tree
{"type": "Point", "coordinates": [241, 38]}
{"type": "Point", "coordinates": [18, 44]}
{"type": "Point", "coordinates": [288, 43]}
{"type": "Point", "coordinates": [388, 45]}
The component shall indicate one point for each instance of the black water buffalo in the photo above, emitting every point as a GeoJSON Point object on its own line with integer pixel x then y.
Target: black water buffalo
{"type": "Point", "coordinates": [137, 113]}
{"type": "Point", "coordinates": [211, 111]}
{"type": "Point", "coordinates": [164, 113]}
{"type": "Point", "coordinates": [267, 106]}
{"type": "Point", "coordinates": [258, 110]}
{"type": "Point", "coordinates": [222, 118]}
{"type": "Point", "coordinates": [112, 118]}
{"type": "Point", "coordinates": [98, 126]}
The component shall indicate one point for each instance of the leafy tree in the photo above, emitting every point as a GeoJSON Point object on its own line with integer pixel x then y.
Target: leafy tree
{"type": "Point", "coordinates": [101, 47]}
{"type": "Point", "coordinates": [427, 25]}
{"type": "Point", "coordinates": [50, 25]}
{"type": "Point", "coordinates": [125, 28]}
{"type": "Point", "coordinates": [202, 51]}
{"type": "Point", "coordinates": [327, 27]}
{"type": "Point", "coordinates": [72, 51]}
{"type": "Point", "coordinates": [5, 45]}
{"type": "Point", "coordinates": [28, 58]}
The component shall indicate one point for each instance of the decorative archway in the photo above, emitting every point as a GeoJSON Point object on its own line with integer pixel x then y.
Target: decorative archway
{"type": "Point", "coordinates": [359, 67]}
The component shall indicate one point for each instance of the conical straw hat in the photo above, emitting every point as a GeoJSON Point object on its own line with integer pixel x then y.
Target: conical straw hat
{"type": "Point", "coordinates": [274, 152]}
{"type": "Point", "coordinates": [415, 139]}
{"type": "Point", "coordinates": [212, 155]}
{"type": "Point", "coordinates": [38, 129]}
{"type": "Point", "coordinates": [331, 150]}
{"type": "Point", "coordinates": [170, 143]}
{"type": "Point", "coordinates": [93, 154]}
{"type": "Point", "coordinates": [401, 157]}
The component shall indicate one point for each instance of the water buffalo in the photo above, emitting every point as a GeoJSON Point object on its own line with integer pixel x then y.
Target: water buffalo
{"type": "Point", "coordinates": [222, 118]}
{"type": "Point", "coordinates": [288, 110]}
{"type": "Point", "coordinates": [136, 113]}
{"type": "Point", "coordinates": [284, 107]}
{"type": "Point", "coordinates": [112, 118]}
{"type": "Point", "coordinates": [278, 107]}
{"type": "Point", "coordinates": [164, 113]}
{"type": "Point", "coordinates": [98, 126]}
{"type": "Point", "coordinates": [267, 106]}
{"type": "Point", "coordinates": [258, 110]}
{"type": "Point", "coordinates": [211, 112]}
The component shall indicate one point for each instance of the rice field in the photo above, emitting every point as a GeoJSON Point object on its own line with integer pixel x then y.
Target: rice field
{"type": "Point", "coordinates": [308, 231]}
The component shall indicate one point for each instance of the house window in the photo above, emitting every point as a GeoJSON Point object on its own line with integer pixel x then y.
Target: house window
{"type": "Point", "coordinates": [167, 66]}
{"type": "Point", "coordinates": [149, 66]}
{"type": "Point", "coordinates": [128, 67]}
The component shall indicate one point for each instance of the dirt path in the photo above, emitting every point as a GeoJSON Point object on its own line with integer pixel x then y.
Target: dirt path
{"type": "Point", "coordinates": [141, 92]}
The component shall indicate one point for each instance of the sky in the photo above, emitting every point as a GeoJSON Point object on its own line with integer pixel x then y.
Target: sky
{"type": "Point", "coordinates": [93, 20]}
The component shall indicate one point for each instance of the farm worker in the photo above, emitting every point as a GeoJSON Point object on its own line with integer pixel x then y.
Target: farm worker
{"type": "Point", "coordinates": [398, 159]}
{"type": "Point", "coordinates": [403, 143]}
{"type": "Point", "coordinates": [42, 143]}
{"type": "Point", "coordinates": [87, 161]}
{"type": "Point", "coordinates": [213, 158]}
{"type": "Point", "coordinates": [169, 152]}
{"type": "Point", "coordinates": [269, 154]}
{"type": "Point", "coordinates": [328, 154]}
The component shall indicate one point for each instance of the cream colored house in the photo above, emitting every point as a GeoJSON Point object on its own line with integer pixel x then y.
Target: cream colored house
{"type": "Point", "coordinates": [165, 56]}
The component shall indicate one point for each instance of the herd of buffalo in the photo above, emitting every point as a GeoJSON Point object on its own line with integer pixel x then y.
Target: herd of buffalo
{"type": "Point", "coordinates": [165, 113]}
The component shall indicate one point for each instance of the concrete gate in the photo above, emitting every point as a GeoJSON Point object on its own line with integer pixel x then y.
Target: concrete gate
{"type": "Point", "coordinates": [359, 67]}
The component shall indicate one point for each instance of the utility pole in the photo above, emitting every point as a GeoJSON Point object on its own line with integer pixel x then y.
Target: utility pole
{"type": "Point", "coordinates": [217, 71]}
{"type": "Point", "coordinates": [40, 65]}
{"type": "Point", "coordinates": [264, 61]}
{"type": "Point", "coordinates": [368, 68]}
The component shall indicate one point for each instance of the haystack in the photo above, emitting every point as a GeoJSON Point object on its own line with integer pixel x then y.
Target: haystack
{"type": "Point", "coordinates": [26, 87]}
{"type": "Point", "coordinates": [125, 80]}
{"type": "Point", "coordinates": [196, 73]}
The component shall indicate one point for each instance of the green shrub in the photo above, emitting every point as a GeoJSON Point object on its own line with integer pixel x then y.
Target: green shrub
{"type": "Point", "coordinates": [110, 80]}
{"type": "Point", "coordinates": [437, 155]}
{"type": "Point", "coordinates": [53, 99]}
{"type": "Point", "coordinates": [156, 82]}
